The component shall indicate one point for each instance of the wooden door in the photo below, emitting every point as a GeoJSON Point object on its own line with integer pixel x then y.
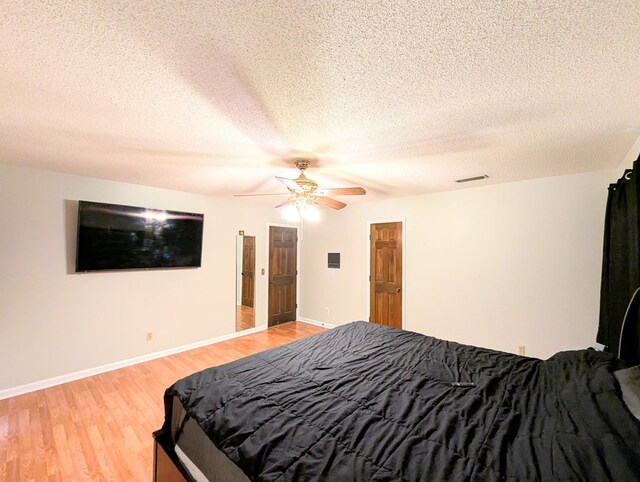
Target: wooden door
{"type": "Point", "coordinates": [386, 274]}
{"type": "Point", "coordinates": [283, 271]}
{"type": "Point", "coordinates": [248, 269]}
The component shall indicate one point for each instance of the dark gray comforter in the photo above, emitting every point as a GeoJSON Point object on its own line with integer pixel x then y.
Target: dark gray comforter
{"type": "Point", "coordinates": [364, 402]}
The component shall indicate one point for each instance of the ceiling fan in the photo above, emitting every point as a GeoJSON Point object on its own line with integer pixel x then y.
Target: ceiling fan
{"type": "Point", "coordinates": [304, 195]}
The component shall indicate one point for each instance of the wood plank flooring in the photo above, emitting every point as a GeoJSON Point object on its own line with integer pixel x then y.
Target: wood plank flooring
{"type": "Point", "coordinates": [99, 428]}
{"type": "Point", "coordinates": [245, 316]}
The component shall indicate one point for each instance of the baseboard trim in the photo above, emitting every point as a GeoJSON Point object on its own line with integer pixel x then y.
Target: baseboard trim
{"type": "Point", "coordinates": [70, 377]}
{"type": "Point", "coordinates": [316, 322]}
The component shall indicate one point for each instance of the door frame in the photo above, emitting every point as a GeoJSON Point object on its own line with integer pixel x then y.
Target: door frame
{"type": "Point", "coordinates": [268, 263]}
{"type": "Point", "coordinates": [404, 264]}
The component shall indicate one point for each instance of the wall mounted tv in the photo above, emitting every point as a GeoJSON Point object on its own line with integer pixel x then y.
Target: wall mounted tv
{"type": "Point", "coordinates": [112, 237]}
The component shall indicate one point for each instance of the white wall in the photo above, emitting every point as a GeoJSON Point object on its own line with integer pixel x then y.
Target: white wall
{"type": "Point", "coordinates": [629, 158]}
{"type": "Point", "coordinates": [54, 322]}
{"type": "Point", "coordinates": [496, 266]}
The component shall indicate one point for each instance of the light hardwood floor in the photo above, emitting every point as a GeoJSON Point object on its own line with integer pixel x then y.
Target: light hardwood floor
{"type": "Point", "coordinates": [99, 428]}
{"type": "Point", "coordinates": [245, 316]}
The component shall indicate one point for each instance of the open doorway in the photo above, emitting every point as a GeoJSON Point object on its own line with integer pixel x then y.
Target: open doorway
{"type": "Point", "coordinates": [245, 282]}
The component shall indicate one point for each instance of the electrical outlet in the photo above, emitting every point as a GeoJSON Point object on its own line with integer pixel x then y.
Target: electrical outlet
{"type": "Point", "coordinates": [521, 350]}
{"type": "Point", "coordinates": [262, 271]}
{"type": "Point", "coordinates": [149, 335]}
{"type": "Point", "coordinates": [326, 310]}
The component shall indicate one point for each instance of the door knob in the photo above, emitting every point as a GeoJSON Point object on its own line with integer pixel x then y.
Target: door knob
{"type": "Point", "coordinates": [397, 290]}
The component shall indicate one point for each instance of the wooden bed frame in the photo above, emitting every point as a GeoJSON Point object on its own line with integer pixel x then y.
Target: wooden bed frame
{"type": "Point", "coordinates": [166, 466]}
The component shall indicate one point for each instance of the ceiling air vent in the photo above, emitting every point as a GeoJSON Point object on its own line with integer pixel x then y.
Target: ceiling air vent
{"type": "Point", "coordinates": [469, 179]}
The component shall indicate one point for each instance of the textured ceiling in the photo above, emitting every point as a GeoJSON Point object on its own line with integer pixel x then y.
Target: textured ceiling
{"type": "Point", "coordinates": [399, 97]}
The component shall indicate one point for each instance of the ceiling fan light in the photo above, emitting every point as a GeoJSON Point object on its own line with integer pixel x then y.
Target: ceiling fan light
{"type": "Point", "coordinates": [290, 213]}
{"type": "Point", "coordinates": [311, 213]}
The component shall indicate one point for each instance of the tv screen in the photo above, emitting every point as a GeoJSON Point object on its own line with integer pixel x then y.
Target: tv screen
{"type": "Point", "coordinates": [111, 237]}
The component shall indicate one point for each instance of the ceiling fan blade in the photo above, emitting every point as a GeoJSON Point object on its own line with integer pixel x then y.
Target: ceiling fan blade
{"type": "Point", "coordinates": [330, 203]}
{"type": "Point", "coordinates": [283, 203]}
{"type": "Point", "coordinates": [345, 191]}
{"type": "Point", "coordinates": [290, 183]}
{"type": "Point", "coordinates": [262, 194]}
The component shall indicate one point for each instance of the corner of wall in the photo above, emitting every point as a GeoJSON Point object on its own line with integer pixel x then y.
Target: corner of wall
{"type": "Point", "coordinates": [630, 156]}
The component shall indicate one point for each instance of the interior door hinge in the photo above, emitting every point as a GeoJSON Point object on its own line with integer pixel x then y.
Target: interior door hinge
{"type": "Point", "coordinates": [369, 277]}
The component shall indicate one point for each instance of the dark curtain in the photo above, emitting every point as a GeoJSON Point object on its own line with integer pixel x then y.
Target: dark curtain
{"type": "Point", "coordinates": [621, 256]}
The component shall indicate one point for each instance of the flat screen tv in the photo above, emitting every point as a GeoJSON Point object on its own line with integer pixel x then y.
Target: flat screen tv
{"type": "Point", "coordinates": [113, 237]}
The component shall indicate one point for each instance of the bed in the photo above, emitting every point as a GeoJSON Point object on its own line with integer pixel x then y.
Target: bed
{"type": "Point", "coordinates": [367, 402]}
